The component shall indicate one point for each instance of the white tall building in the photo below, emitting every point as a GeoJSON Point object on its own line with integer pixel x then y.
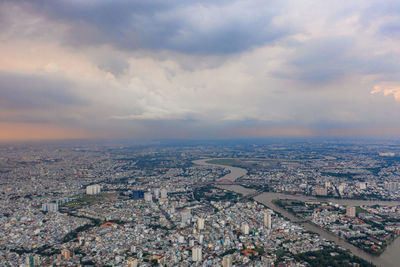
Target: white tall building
{"type": "Point", "coordinates": [93, 189]}
{"type": "Point", "coordinates": [227, 261]}
{"type": "Point", "coordinates": [186, 215]}
{"type": "Point", "coordinates": [50, 207]}
{"type": "Point", "coordinates": [164, 193]}
{"type": "Point", "coordinates": [362, 185]}
{"type": "Point", "coordinates": [157, 193]}
{"type": "Point", "coordinates": [267, 220]}
{"type": "Point", "coordinates": [200, 224]}
{"type": "Point", "coordinates": [245, 228]}
{"type": "Point", "coordinates": [391, 186]}
{"type": "Point", "coordinates": [148, 197]}
{"type": "Point", "coordinates": [196, 253]}
{"type": "Point", "coordinates": [387, 154]}
{"type": "Point", "coordinates": [132, 262]}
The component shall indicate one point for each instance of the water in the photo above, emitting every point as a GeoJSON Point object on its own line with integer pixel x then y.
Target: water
{"type": "Point", "coordinates": [389, 258]}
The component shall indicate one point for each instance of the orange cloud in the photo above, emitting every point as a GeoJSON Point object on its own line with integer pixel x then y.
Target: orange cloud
{"type": "Point", "coordinates": [388, 89]}
{"type": "Point", "coordinates": [27, 131]}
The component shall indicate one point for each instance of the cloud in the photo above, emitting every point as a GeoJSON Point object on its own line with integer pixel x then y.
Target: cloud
{"type": "Point", "coordinates": [156, 114]}
{"type": "Point", "coordinates": [331, 59]}
{"type": "Point", "coordinates": [200, 69]}
{"type": "Point", "coordinates": [35, 131]}
{"type": "Point", "coordinates": [391, 29]}
{"type": "Point", "coordinates": [205, 27]}
{"type": "Point", "coordinates": [24, 91]}
{"type": "Point", "coordinates": [388, 88]}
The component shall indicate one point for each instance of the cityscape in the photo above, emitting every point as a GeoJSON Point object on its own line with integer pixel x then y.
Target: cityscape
{"type": "Point", "coordinates": [241, 133]}
{"type": "Point", "coordinates": [201, 204]}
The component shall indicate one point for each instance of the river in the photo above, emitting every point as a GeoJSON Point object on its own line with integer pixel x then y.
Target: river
{"type": "Point", "coordinates": [389, 258]}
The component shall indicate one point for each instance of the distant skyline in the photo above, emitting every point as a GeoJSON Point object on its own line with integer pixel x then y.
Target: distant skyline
{"type": "Point", "coordinates": [198, 69]}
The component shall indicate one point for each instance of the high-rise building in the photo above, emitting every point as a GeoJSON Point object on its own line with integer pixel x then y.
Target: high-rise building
{"type": "Point", "coordinates": [200, 224]}
{"type": "Point", "coordinates": [387, 154]}
{"type": "Point", "coordinates": [66, 253]}
{"type": "Point", "coordinates": [362, 185]}
{"type": "Point", "coordinates": [342, 187]}
{"type": "Point", "coordinates": [93, 189]}
{"type": "Point", "coordinates": [245, 228]}
{"type": "Point", "coordinates": [351, 211]}
{"type": "Point", "coordinates": [50, 207]}
{"type": "Point", "coordinates": [267, 220]}
{"type": "Point", "coordinates": [196, 253]}
{"type": "Point", "coordinates": [391, 186]}
{"type": "Point", "coordinates": [171, 210]}
{"type": "Point", "coordinates": [227, 261]}
{"type": "Point", "coordinates": [201, 239]}
{"type": "Point", "coordinates": [321, 191]}
{"type": "Point", "coordinates": [164, 193]}
{"type": "Point", "coordinates": [30, 261]}
{"type": "Point", "coordinates": [132, 262]}
{"type": "Point", "coordinates": [36, 260]}
{"type": "Point", "coordinates": [156, 193]}
{"type": "Point", "coordinates": [148, 197]}
{"type": "Point", "coordinates": [186, 215]}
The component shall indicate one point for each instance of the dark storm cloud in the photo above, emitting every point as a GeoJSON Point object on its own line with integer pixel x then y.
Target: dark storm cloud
{"type": "Point", "coordinates": [386, 15]}
{"type": "Point", "coordinates": [328, 59]}
{"type": "Point", "coordinates": [20, 91]}
{"type": "Point", "coordinates": [111, 63]}
{"type": "Point", "coordinates": [323, 60]}
{"type": "Point", "coordinates": [374, 11]}
{"type": "Point", "coordinates": [206, 27]}
{"type": "Point", "coordinates": [391, 29]}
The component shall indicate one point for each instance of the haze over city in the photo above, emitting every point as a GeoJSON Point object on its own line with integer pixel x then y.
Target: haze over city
{"type": "Point", "coordinates": [199, 133]}
{"type": "Point", "coordinates": [198, 69]}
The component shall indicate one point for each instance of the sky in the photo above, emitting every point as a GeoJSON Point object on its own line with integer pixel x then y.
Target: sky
{"type": "Point", "coordinates": [198, 69]}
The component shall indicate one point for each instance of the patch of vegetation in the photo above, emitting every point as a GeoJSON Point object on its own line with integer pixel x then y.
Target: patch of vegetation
{"type": "Point", "coordinates": [280, 254]}
{"type": "Point", "coordinates": [228, 162]}
{"type": "Point", "coordinates": [88, 263]}
{"type": "Point", "coordinates": [157, 226]}
{"type": "Point", "coordinates": [228, 252]}
{"type": "Point", "coordinates": [331, 256]}
{"type": "Point", "coordinates": [360, 210]}
{"type": "Point", "coordinates": [74, 234]}
{"type": "Point", "coordinates": [212, 193]}
{"type": "Point", "coordinates": [84, 200]}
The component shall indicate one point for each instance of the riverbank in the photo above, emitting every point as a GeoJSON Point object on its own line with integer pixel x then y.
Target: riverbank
{"type": "Point", "coordinates": [389, 258]}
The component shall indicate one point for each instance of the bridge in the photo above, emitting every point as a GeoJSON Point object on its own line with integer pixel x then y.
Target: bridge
{"type": "Point", "coordinates": [224, 181]}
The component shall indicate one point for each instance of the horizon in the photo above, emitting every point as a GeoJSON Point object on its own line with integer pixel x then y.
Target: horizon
{"type": "Point", "coordinates": [204, 141]}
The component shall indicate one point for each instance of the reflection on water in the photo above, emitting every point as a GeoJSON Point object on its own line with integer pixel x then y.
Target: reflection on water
{"type": "Point", "coordinates": [389, 258]}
